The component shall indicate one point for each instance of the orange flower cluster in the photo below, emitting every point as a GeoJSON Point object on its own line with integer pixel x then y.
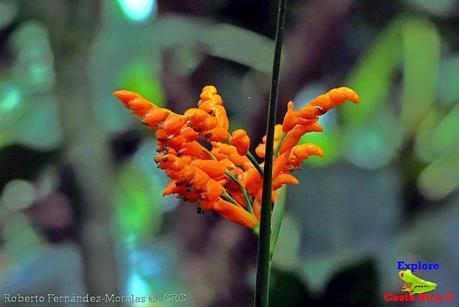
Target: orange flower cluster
{"type": "Point", "coordinates": [225, 179]}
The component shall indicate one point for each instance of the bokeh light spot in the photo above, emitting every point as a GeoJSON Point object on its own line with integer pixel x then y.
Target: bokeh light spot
{"type": "Point", "coordinates": [366, 149]}
{"type": "Point", "coordinates": [137, 285]}
{"type": "Point", "coordinates": [138, 10]}
{"type": "Point", "coordinates": [18, 194]}
{"type": "Point", "coordinates": [10, 97]}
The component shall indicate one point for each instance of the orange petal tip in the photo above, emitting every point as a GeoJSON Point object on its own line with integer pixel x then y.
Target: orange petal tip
{"type": "Point", "coordinates": [125, 95]}
{"type": "Point", "coordinates": [320, 152]}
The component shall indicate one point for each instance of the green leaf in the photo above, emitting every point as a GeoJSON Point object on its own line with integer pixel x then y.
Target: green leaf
{"type": "Point", "coordinates": [329, 141]}
{"type": "Point", "coordinates": [139, 76]}
{"type": "Point", "coordinates": [354, 285]}
{"type": "Point", "coordinates": [372, 75]}
{"type": "Point", "coordinates": [441, 177]}
{"type": "Point", "coordinates": [277, 216]}
{"type": "Point", "coordinates": [448, 91]}
{"type": "Point", "coordinates": [288, 289]}
{"type": "Point", "coordinates": [446, 134]}
{"type": "Point", "coordinates": [424, 135]}
{"type": "Point", "coordinates": [138, 200]}
{"type": "Point", "coordinates": [133, 205]}
{"type": "Point", "coordinates": [421, 52]}
{"type": "Point", "coordinates": [288, 245]}
{"type": "Point", "coordinates": [239, 45]}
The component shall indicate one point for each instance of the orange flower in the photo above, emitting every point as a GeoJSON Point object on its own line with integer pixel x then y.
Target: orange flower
{"type": "Point", "coordinates": [235, 214]}
{"type": "Point", "coordinates": [225, 151]}
{"type": "Point", "coordinates": [282, 179]}
{"type": "Point", "coordinates": [295, 134]}
{"type": "Point", "coordinates": [290, 118]}
{"type": "Point", "coordinates": [139, 105]}
{"type": "Point", "coordinates": [213, 168]}
{"type": "Point", "coordinates": [260, 150]}
{"type": "Point", "coordinates": [241, 140]}
{"type": "Point", "coordinates": [222, 178]}
{"type": "Point", "coordinates": [318, 106]}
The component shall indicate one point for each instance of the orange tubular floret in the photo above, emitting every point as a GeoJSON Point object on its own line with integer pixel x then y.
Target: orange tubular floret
{"type": "Point", "coordinates": [294, 135]}
{"type": "Point", "coordinates": [212, 168]}
{"type": "Point", "coordinates": [176, 142]}
{"type": "Point", "coordinates": [301, 152]}
{"type": "Point", "coordinates": [194, 150]}
{"type": "Point", "coordinates": [253, 181]}
{"type": "Point", "coordinates": [283, 179]}
{"type": "Point", "coordinates": [308, 113]}
{"type": "Point", "coordinates": [154, 116]}
{"type": "Point", "coordinates": [239, 198]}
{"type": "Point", "coordinates": [225, 151]}
{"type": "Point", "coordinates": [170, 189]}
{"type": "Point", "coordinates": [208, 124]}
{"type": "Point", "coordinates": [195, 116]}
{"type": "Point", "coordinates": [260, 150]}
{"type": "Point", "coordinates": [229, 165]}
{"type": "Point", "coordinates": [333, 97]}
{"type": "Point", "coordinates": [341, 94]}
{"type": "Point", "coordinates": [257, 208]}
{"type": "Point", "coordinates": [210, 176]}
{"type": "Point", "coordinates": [139, 105]}
{"type": "Point", "coordinates": [189, 134]}
{"type": "Point", "coordinates": [235, 214]}
{"type": "Point", "coordinates": [218, 134]}
{"type": "Point", "coordinates": [199, 180]}
{"type": "Point", "coordinates": [290, 118]}
{"type": "Point", "coordinates": [213, 190]}
{"type": "Point", "coordinates": [241, 141]}
{"type": "Point", "coordinates": [220, 114]}
{"type": "Point", "coordinates": [125, 96]}
{"type": "Point", "coordinates": [173, 123]}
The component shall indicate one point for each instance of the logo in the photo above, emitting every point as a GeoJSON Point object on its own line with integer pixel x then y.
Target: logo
{"type": "Point", "coordinates": [402, 265]}
{"type": "Point", "coordinates": [414, 284]}
{"type": "Point", "coordinates": [416, 289]}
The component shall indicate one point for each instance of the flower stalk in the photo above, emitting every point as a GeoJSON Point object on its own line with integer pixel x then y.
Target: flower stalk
{"type": "Point", "coordinates": [255, 162]}
{"type": "Point", "coordinates": [263, 257]}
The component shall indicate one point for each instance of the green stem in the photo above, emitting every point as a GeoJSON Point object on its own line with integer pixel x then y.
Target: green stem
{"type": "Point", "coordinates": [263, 263]}
{"type": "Point", "coordinates": [279, 143]}
{"type": "Point", "coordinates": [228, 197]}
{"type": "Point", "coordinates": [248, 201]}
{"type": "Point", "coordinates": [278, 215]}
{"type": "Point", "coordinates": [254, 162]}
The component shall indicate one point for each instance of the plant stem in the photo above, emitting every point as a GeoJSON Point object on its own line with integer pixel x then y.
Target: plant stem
{"type": "Point", "coordinates": [254, 162]}
{"type": "Point", "coordinates": [263, 263]}
{"type": "Point", "coordinates": [279, 143]}
{"type": "Point", "coordinates": [228, 197]}
{"type": "Point", "coordinates": [248, 201]}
